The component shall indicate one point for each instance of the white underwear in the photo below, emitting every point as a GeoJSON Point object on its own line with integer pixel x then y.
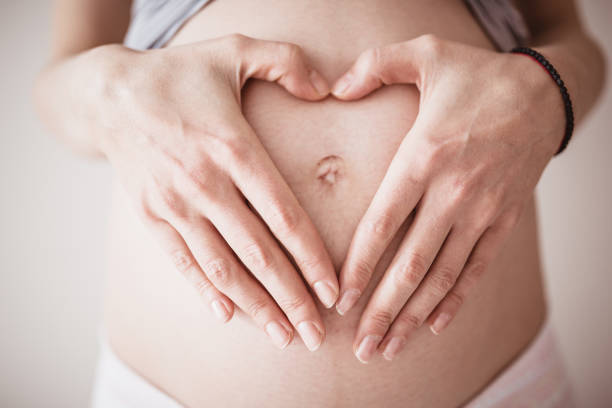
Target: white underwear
{"type": "Point", "coordinates": [536, 378]}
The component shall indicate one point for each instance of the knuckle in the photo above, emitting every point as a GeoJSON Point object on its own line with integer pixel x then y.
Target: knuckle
{"type": "Point", "coordinates": [198, 175]}
{"type": "Point", "coordinates": [436, 155]}
{"type": "Point", "coordinates": [257, 257]}
{"type": "Point", "coordinates": [182, 260]}
{"type": "Point", "coordinates": [475, 270]}
{"type": "Point", "coordinates": [293, 304]}
{"type": "Point", "coordinates": [256, 307]}
{"type": "Point", "coordinates": [361, 273]}
{"type": "Point", "coordinates": [202, 186]}
{"type": "Point", "coordinates": [236, 41]}
{"type": "Point", "coordinates": [284, 219]}
{"type": "Point", "coordinates": [486, 213]}
{"type": "Point", "coordinates": [171, 202]}
{"type": "Point", "coordinates": [382, 225]}
{"type": "Point", "coordinates": [370, 59]}
{"type": "Point", "coordinates": [233, 148]}
{"type": "Point", "coordinates": [411, 320]}
{"type": "Point", "coordinates": [290, 54]}
{"type": "Point", "coordinates": [309, 263]}
{"type": "Point", "coordinates": [462, 189]}
{"type": "Point", "coordinates": [185, 264]}
{"type": "Point", "coordinates": [455, 298]}
{"type": "Point", "coordinates": [414, 179]}
{"type": "Point", "coordinates": [203, 286]}
{"type": "Point", "coordinates": [381, 319]}
{"type": "Point", "coordinates": [478, 223]}
{"type": "Point", "coordinates": [218, 271]}
{"type": "Point", "coordinates": [443, 280]}
{"type": "Point", "coordinates": [430, 44]}
{"type": "Point", "coordinates": [411, 273]}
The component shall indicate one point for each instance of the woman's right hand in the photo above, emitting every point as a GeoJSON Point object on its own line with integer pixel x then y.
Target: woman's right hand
{"type": "Point", "coordinates": [170, 122]}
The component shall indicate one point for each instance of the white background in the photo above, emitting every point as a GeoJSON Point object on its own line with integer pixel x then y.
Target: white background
{"type": "Point", "coordinates": [53, 212]}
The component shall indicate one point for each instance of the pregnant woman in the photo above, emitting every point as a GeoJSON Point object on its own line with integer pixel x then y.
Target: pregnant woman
{"type": "Point", "coordinates": [290, 156]}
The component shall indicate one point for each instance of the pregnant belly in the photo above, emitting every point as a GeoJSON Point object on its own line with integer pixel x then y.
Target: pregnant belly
{"type": "Point", "coordinates": [333, 155]}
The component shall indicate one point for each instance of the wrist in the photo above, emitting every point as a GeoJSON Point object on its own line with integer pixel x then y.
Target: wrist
{"type": "Point", "coordinates": [554, 97]}
{"type": "Point", "coordinates": [546, 99]}
{"type": "Point", "coordinates": [105, 74]}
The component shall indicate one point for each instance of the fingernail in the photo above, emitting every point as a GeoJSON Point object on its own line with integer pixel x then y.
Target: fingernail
{"type": "Point", "coordinates": [319, 84]}
{"type": "Point", "coordinates": [326, 293]}
{"type": "Point", "coordinates": [393, 347]}
{"type": "Point", "coordinates": [347, 300]}
{"type": "Point", "coordinates": [367, 347]}
{"type": "Point", "coordinates": [440, 323]}
{"type": "Point", "coordinates": [311, 336]}
{"type": "Point", "coordinates": [280, 337]}
{"type": "Point", "coordinates": [342, 85]}
{"type": "Point", "coordinates": [220, 310]}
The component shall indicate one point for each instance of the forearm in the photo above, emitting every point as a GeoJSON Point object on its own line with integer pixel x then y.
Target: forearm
{"type": "Point", "coordinates": [558, 34]}
{"type": "Point", "coordinates": [70, 87]}
{"type": "Point", "coordinates": [579, 61]}
{"type": "Point", "coordinates": [70, 91]}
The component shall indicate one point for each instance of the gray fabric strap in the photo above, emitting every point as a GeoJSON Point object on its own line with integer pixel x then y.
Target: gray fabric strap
{"type": "Point", "coordinates": [501, 21]}
{"type": "Point", "coordinates": [154, 22]}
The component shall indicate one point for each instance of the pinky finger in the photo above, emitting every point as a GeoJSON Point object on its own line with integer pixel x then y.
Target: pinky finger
{"type": "Point", "coordinates": [481, 257]}
{"type": "Point", "coordinates": [182, 258]}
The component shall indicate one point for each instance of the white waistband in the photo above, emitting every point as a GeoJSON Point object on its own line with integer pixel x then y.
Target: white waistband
{"type": "Point", "coordinates": [118, 386]}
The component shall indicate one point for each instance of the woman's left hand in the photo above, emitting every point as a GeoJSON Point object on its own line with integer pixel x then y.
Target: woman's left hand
{"type": "Point", "coordinates": [487, 126]}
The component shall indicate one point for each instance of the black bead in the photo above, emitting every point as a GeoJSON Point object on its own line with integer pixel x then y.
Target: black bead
{"type": "Point", "coordinates": [567, 102]}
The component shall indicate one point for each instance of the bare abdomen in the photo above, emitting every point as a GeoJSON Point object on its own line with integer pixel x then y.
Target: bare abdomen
{"type": "Point", "coordinates": [333, 155]}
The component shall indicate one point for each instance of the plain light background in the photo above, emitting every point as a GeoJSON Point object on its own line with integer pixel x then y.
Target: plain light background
{"type": "Point", "coordinates": [52, 236]}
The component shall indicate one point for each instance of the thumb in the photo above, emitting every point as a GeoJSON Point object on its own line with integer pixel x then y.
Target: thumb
{"type": "Point", "coordinates": [399, 63]}
{"type": "Point", "coordinates": [283, 63]}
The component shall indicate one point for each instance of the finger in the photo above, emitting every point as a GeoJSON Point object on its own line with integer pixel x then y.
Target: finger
{"type": "Point", "coordinates": [174, 245]}
{"type": "Point", "coordinates": [283, 63]}
{"type": "Point", "coordinates": [439, 280]}
{"type": "Point", "coordinates": [412, 261]}
{"type": "Point", "coordinates": [256, 248]}
{"type": "Point", "coordinates": [397, 196]}
{"type": "Point", "coordinates": [228, 275]}
{"type": "Point", "coordinates": [390, 64]}
{"type": "Point", "coordinates": [258, 179]}
{"type": "Point", "coordinates": [484, 253]}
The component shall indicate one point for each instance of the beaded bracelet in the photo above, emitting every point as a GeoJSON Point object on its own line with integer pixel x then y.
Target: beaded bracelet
{"type": "Point", "coordinates": [569, 111]}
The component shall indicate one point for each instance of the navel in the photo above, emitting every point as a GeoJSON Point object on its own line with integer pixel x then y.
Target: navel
{"type": "Point", "coordinates": [330, 169]}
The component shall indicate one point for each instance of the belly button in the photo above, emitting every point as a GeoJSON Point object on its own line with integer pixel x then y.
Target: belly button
{"type": "Point", "coordinates": [330, 169]}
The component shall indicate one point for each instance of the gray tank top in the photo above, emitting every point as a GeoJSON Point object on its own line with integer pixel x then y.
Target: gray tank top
{"type": "Point", "coordinates": [154, 22]}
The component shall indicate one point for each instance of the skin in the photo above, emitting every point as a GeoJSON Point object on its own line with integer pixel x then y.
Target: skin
{"type": "Point", "coordinates": [190, 162]}
{"type": "Point", "coordinates": [465, 170]}
{"type": "Point", "coordinates": [462, 172]}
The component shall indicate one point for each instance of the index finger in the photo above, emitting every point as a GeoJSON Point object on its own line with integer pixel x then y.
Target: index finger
{"type": "Point", "coordinates": [260, 182]}
{"type": "Point", "coordinates": [397, 196]}
{"type": "Point", "coordinates": [399, 63]}
{"type": "Point", "coordinates": [281, 62]}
